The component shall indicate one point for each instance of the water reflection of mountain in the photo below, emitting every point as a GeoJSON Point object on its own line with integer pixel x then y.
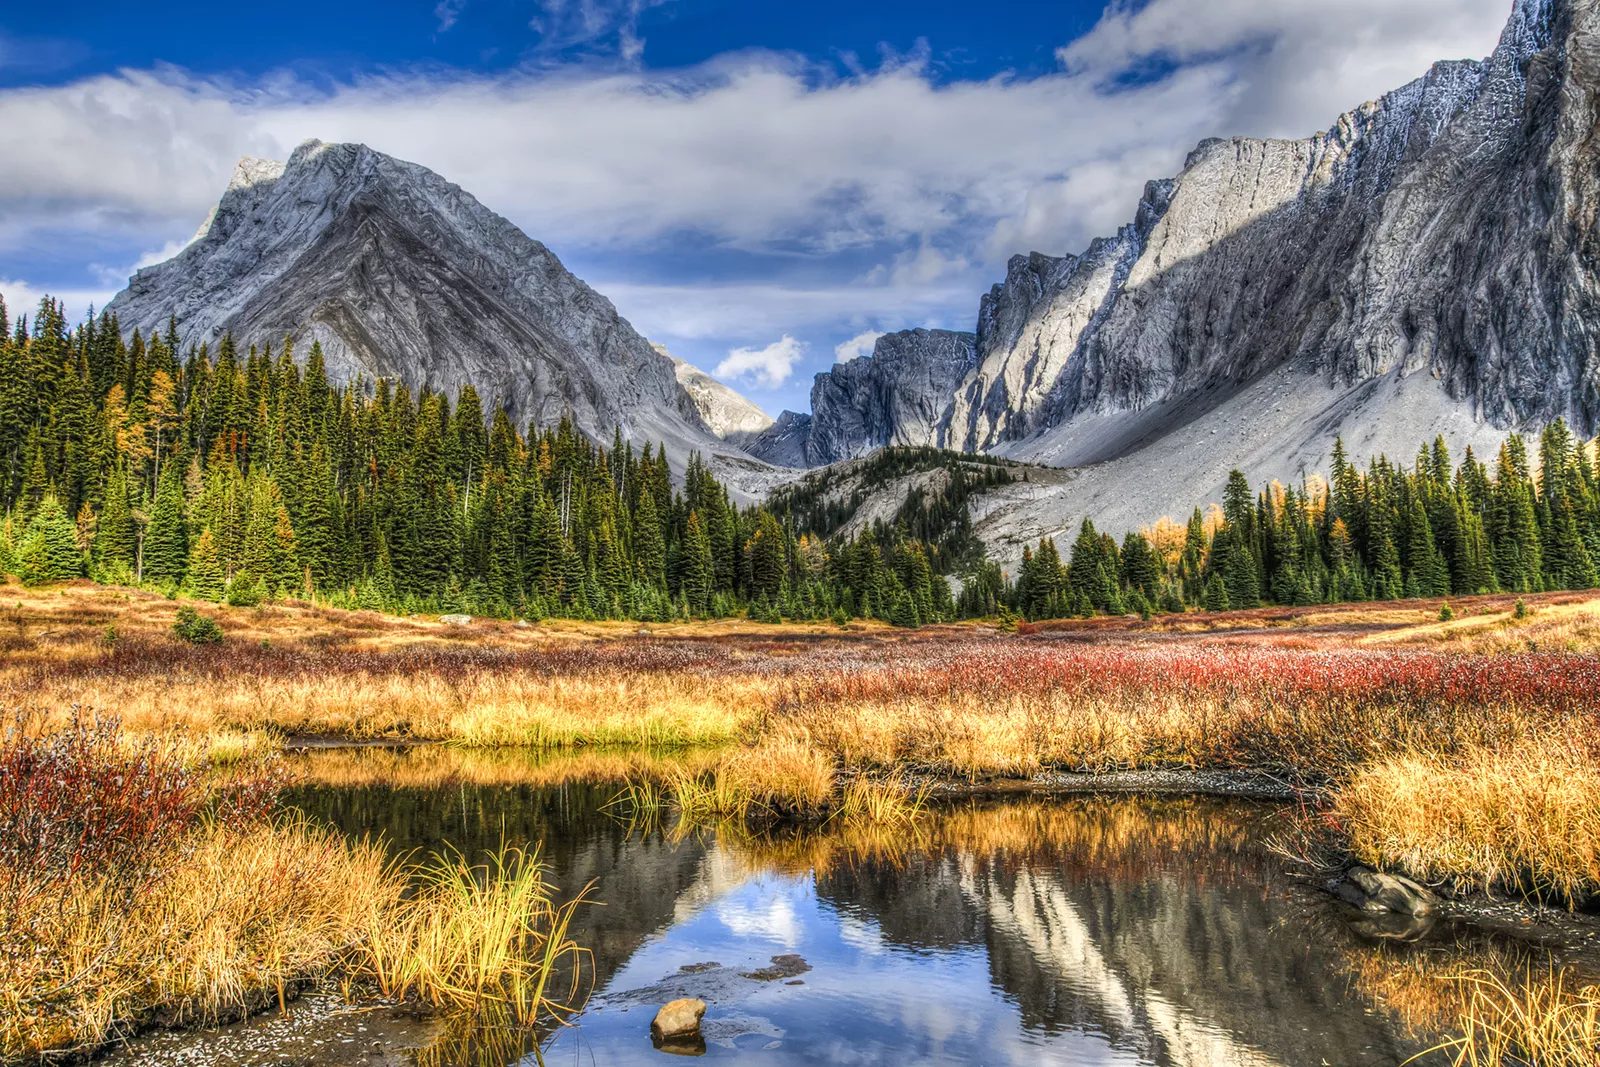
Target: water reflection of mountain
{"type": "Point", "coordinates": [1164, 926]}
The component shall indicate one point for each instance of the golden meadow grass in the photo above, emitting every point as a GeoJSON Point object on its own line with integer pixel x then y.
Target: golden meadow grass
{"type": "Point", "coordinates": [1528, 817]}
{"type": "Point", "coordinates": [1331, 699]}
{"type": "Point", "coordinates": [248, 916]}
{"type": "Point", "coordinates": [139, 889]}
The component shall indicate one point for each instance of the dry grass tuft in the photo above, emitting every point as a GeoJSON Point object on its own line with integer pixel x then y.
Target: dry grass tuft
{"type": "Point", "coordinates": [136, 889]}
{"type": "Point", "coordinates": [249, 916]}
{"type": "Point", "coordinates": [243, 917]}
{"type": "Point", "coordinates": [1529, 1020]}
{"type": "Point", "coordinates": [1525, 818]}
{"type": "Point", "coordinates": [477, 935]}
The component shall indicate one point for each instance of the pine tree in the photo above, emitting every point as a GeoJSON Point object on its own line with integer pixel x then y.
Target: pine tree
{"type": "Point", "coordinates": [287, 574]}
{"type": "Point", "coordinates": [649, 548]}
{"type": "Point", "coordinates": [765, 553]}
{"type": "Point", "coordinates": [1513, 526]}
{"type": "Point", "coordinates": [116, 540]}
{"type": "Point", "coordinates": [164, 556]}
{"type": "Point", "coordinates": [1216, 594]}
{"type": "Point", "coordinates": [904, 612]}
{"type": "Point", "coordinates": [1140, 570]}
{"type": "Point", "coordinates": [49, 550]}
{"type": "Point", "coordinates": [1089, 579]}
{"type": "Point", "coordinates": [204, 579]}
{"type": "Point", "coordinates": [699, 573]}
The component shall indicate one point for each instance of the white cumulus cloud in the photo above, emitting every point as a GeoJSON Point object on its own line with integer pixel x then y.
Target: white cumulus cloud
{"type": "Point", "coordinates": [753, 150]}
{"type": "Point", "coordinates": [22, 298]}
{"type": "Point", "coordinates": [858, 346]}
{"type": "Point", "coordinates": [769, 367]}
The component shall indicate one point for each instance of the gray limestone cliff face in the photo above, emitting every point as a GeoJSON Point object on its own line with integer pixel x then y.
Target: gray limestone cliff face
{"type": "Point", "coordinates": [899, 395]}
{"type": "Point", "coordinates": [783, 444]}
{"type": "Point", "coordinates": [399, 273]}
{"type": "Point", "coordinates": [1446, 230]}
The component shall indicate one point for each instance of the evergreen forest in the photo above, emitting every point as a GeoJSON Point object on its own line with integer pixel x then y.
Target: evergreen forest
{"type": "Point", "coordinates": [246, 475]}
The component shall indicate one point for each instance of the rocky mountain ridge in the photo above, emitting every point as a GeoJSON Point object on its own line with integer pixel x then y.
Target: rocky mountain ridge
{"type": "Point", "coordinates": [398, 273]}
{"type": "Point", "coordinates": [1426, 265]}
{"type": "Point", "coordinates": [724, 411]}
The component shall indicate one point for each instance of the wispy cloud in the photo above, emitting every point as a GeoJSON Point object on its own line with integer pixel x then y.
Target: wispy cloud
{"type": "Point", "coordinates": [567, 24]}
{"type": "Point", "coordinates": [448, 12]}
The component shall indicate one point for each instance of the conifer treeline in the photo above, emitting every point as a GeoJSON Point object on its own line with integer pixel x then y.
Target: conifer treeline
{"type": "Point", "coordinates": [246, 475]}
{"type": "Point", "coordinates": [1383, 533]}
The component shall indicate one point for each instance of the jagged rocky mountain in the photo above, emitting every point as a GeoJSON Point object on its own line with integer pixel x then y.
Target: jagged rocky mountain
{"type": "Point", "coordinates": [399, 273]}
{"type": "Point", "coordinates": [1426, 265]}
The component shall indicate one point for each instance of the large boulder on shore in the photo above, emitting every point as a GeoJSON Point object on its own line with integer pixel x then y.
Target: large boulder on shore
{"type": "Point", "coordinates": [1375, 891]}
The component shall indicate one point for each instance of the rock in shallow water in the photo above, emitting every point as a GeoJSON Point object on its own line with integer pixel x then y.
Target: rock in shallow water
{"type": "Point", "coordinates": [679, 1019]}
{"type": "Point", "coordinates": [786, 966]}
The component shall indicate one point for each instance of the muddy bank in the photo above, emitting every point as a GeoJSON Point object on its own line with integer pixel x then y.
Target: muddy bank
{"type": "Point", "coordinates": [317, 1029]}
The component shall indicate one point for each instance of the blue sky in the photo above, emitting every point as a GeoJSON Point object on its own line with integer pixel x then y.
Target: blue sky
{"type": "Point", "coordinates": [763, 187]}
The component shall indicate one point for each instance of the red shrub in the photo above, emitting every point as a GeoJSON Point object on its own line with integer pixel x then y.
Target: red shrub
{"type": "Point", "coordinates": [84, 802]}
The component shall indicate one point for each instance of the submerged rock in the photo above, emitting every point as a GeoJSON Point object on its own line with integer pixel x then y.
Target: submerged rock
{"type": "Point", "coordinates": [788, 965]}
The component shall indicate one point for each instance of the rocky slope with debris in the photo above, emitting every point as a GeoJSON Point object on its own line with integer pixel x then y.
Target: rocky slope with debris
{"type": "Point", "coordinates": [724, 411]}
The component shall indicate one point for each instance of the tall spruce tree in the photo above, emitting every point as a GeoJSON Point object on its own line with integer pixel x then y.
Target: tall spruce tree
{"type": "Point", "coordinates": [164, 557]}
{"type": "Point", "coordinates": [49, 551]}
{"type": "Point", "coordinates": [204, 578]}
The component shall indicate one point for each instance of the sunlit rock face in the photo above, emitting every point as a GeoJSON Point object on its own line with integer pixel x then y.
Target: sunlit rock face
{"type": "Point", "coordinates": [399, 273]}
{"type": "Point", "coordinates": [1445, 232]}
{"type": "Point", "coordinates": [724, 411]}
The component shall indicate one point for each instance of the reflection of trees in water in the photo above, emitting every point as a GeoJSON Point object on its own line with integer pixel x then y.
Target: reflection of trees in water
{"type": "Point", "coordinates": [1161, 924]}
{"type": "Point", "coordinates": [639, 878]}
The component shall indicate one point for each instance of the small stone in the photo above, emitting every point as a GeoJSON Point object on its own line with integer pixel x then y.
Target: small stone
{"type": "Point", "coordinates": [679, 1019]}
{"type": "Point", "coordinates": [456, 620]}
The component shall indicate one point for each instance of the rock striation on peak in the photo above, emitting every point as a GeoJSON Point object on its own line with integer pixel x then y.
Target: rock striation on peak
{"type": "Point", "coordinates": [725, 411]}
